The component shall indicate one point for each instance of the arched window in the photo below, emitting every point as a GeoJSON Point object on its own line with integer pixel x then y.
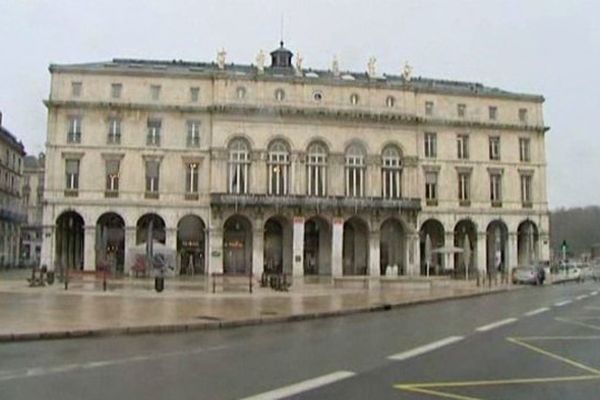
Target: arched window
{"type": "Point", "coordinates": [390, 101]}
{"type": "Point", "coordinates": [316, 165]}
{"type": "Point", "coordinates": [278, 168]}
{"type": "Point", "coordinates": [355, 171]}
{"type": "Point", "coordinates": [354, 99]}
{"type": "Point", "coordinates": [239, 162]}
{"type": "Point", "coordinates": [240, 92]}
{"type": "Point", "coordinates": [391, 173]}
{"type": "Point", "coordinates": [279, 95]}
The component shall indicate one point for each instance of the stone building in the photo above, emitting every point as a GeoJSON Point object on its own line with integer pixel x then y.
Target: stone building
{"type": "Point", "coordinates": [243, 168]}
{"type": "Point", "coordinates": [11, 212]}
{"type": "Point", "coordinates": [33, 196]}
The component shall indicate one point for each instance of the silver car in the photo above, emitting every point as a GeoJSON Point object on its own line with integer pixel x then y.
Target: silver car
{"type": "Point", "coordinates": [529, 275]}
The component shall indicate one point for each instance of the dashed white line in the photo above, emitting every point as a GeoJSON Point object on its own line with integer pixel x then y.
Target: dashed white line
{"type": "Point", "coordinates": [426, 348]}
{"type": "Point", "coordinates": [595, 292]}
{"type": "Point", "coordinates": [563, 303]}
{"type": "Point", "coordinates": [536, 311]}
{"type": "Point", "coordinates": [303, 386]}
{"type": "Point", "coordinates": [583, 296]}
{"type": "Point", "coordinates": [496, 324]}
{"type": "Point", "coordinates": [59, 369]}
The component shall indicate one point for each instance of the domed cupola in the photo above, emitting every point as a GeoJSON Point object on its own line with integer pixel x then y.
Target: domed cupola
{"type": "Point", "coordinates": [281, 57]}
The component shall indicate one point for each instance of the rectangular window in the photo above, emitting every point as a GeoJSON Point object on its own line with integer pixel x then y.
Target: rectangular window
{"type": "Point", "coordinates": [74, 133]}
{"type": "Point", "coordinates": [430, 145]}
{"type": "Point", "coordinates": [76, 89]}
{"type": "Point", "coordinates": [191, 178]}
{"type": "Point", "coordinates": [72, 174]}
{"type": "Point", "coordinates": [153, 137]}
{"type": "Point", "coordinates": [526, 194]}
{"type": "Point", "coordinates": [114, 131]}
{"type": "Point", "coordinates": [155, 92]}
{"type": "Point", "coordinates": [152, 177]}
{"type": "Point", "coordinates": [194, 94]}
{"type": "Point", "coordinates": [112, 177]}
{"type": "Point", "coordinates": [524, 150]}
{"type": "Point", "coordinates": [431, 192]}
{"type": "Point", "coordinates": [462, 142]}
{"type": "Point", "coordinates": [496, 189]}
{"type": "Point", "coordinates": [193, 133]}
{"type": "Point", "coordinates": [464, 188]}
{"type": "Point", "coordinates": [523, 114]}
{"type": "Point", "coordinates": [115, 90]}
{"type": "Point", "coordinates": [461, 110]}
{"type": "Point", "coordinates": [495, 148]}
{"type": "Point", "coordinates": [429, 108]}
{"type": "Point", "coordinates": [493, 113]}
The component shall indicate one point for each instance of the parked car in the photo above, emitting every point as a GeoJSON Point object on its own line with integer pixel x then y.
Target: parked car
{"type": "Point", "coordinates": [532, 275]}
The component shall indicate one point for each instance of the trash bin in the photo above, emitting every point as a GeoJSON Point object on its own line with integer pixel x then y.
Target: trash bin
{"type": "Point", "coordinates": [159, 284]}
{"type": "Point", "coordinates": [50, 277]}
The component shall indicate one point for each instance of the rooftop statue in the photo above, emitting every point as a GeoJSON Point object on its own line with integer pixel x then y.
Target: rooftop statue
{"type": "Point", "coordinates": [335, 66]}
{"type": "Point", "coordinates": [406, 72]}
{"type": "Point", "coordinates": [260, 61]}
{"type": "Point", "coordinates": [371, 67]}
{"type": "Point", "coordinates": [221, 58]}
{"type": "Point", "coordinates": [299, 60]}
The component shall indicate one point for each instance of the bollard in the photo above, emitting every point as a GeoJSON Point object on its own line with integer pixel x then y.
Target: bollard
{"type": "Point", "coordinates": [250, 282]}
{"type": "Point", "coordinates": [159, 284]}
{"type": "Point", "coordinates": [214, 283]}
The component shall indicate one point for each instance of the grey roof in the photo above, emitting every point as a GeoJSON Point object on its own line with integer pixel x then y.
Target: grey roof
{"type": "Point", "coordinates": [180, 67]}
{"type": "Point", "coordinates": [11, 140]}
{"type": "Point", "coordinates": [31, 162]}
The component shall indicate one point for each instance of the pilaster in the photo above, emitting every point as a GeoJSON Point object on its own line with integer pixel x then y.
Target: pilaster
{"type": "Point", "coordinates": [374, 253]}
{"type": "Point", "coordinates": [89, 248]}
{"type": "Point", "coordinates": [337, 240]}
{"type": "Point", "coordinates": [298, 247]}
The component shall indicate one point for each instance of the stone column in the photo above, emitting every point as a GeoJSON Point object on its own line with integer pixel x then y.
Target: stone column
{"type": "Point", "coordinates": [374, 253]}
{"type": "Point", "coordinates": [215, 251]}
{"type": "Point", "coordinates": [130, 238]}
{"type": "Point", "coordinates": [544, 247]}
{"type": "Point", "coordinates": [512, 252]}
{"type": "Point", "coordinates": [337, 241]}
{"type": "Point", "coordinates": [448, 258]}
{"type": "Point", "coordinates": [48, 240]}
{"type": "Point", "coordinates": [89, 248]}
{"type": "Point", "coordinates": [171, 239]}
{"type": "Point", "coordinates": [481, 252]}
{"type": "Point", "coordinates": [258, 250]}
{"type": "Point", "coordinates": [298, 247]}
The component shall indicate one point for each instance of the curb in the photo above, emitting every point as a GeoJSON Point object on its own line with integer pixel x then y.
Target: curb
{"type": "Point", "coordinates": [228, 324]}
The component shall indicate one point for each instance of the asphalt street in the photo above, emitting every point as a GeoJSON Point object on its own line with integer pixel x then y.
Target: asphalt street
{"type": "Point", "coordinates": [535, 343]}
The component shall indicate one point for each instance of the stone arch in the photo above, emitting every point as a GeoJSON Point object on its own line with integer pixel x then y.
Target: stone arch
{"type": "Point", "coordinates": [150, 225]}
{"type": "Point", "coordinates": [497, 246]}
{"type": "Point", "coordinates": [70, 240]}
{"type": "Point", "coordinates": [465, 228]}
{"type": "Point", "coordinates": [355, 247]}
{"type": "Point", "coordinates": [237, 245]}
{"type": "Point", "coordinates": [317, 246]}
{"type": "Point", "coordinates": [433, 229]}
{"type": "Point", "coordinates": [392, 245]}
{"type": "Point", "coordinates": [278, 245]}
{"type": "Point", "coordinates": [110, 242]}
{"type": "Point", "coordinates": [527, 243]}
{"type": "Point", "coordinates": [191, 245]}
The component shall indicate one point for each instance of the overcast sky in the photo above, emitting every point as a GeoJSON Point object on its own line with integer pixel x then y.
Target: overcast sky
{"type": "Point", "coordinates": [548, 47]}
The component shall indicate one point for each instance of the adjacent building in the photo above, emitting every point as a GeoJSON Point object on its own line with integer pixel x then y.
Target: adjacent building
{"type": "Point", "coordinates": [251, 168]}
{"type": "Point", "coordinates": [33, 196]}
{"type": "Point", "coordinates": [11, 211]}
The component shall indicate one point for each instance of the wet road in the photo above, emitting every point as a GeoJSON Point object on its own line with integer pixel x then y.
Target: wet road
{"type": "Point", "coordinates": [532, 343]}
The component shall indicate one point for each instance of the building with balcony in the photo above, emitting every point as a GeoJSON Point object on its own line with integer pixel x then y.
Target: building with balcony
{"type": "Point", "coordinates": [280, 168]}
{"type": "Point", "coordinates": [33, 197]}
{"type": "Point", "coordinates": [11, 210]}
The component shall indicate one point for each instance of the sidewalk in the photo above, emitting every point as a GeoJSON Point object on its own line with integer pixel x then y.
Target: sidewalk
{"type": "Point", "coordinates": [132, 306]}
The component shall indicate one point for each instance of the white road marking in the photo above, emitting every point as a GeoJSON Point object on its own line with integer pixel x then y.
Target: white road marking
{"type": "Point", "coordinates": [583, 296]}
{"type": "Point", "coordinates": [58, 369]}
{"type": "Point", "coordinates": [595, 292]}
{"type": "Point", "coordinates": [536, 311]}
{"type": "Point", "coordinates": [303, 386]}
{"type": "Point", "coordinates": [563, 303]}
{"type": "Point", "coordinates": [426, 348]}
{"type": "Point", "coordinates": [496, 324]}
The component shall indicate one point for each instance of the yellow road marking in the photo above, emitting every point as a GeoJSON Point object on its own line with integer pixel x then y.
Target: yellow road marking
{"type": "Point", "coordinates": [570, 321]}
{"type": "Point", "coordinates": [529, 338]}
{"type": "Point", "coordinates": [555, 356]}
{"type": "Point", "coordinates": [441, 394]}
{"type": "Point", "coordinates": [498, 382]}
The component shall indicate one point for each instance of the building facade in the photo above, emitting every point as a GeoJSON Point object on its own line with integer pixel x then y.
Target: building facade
{"type": "Point", "coordinates": [252, 168]}
{"type": "Point", "coordinates": [11, 210]}
{"type": "Point", "coordinates": [33, 196]}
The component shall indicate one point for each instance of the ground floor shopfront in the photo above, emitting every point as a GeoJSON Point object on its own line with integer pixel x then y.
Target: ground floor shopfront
{"type": "Point", "coordinates": [237, 240]}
